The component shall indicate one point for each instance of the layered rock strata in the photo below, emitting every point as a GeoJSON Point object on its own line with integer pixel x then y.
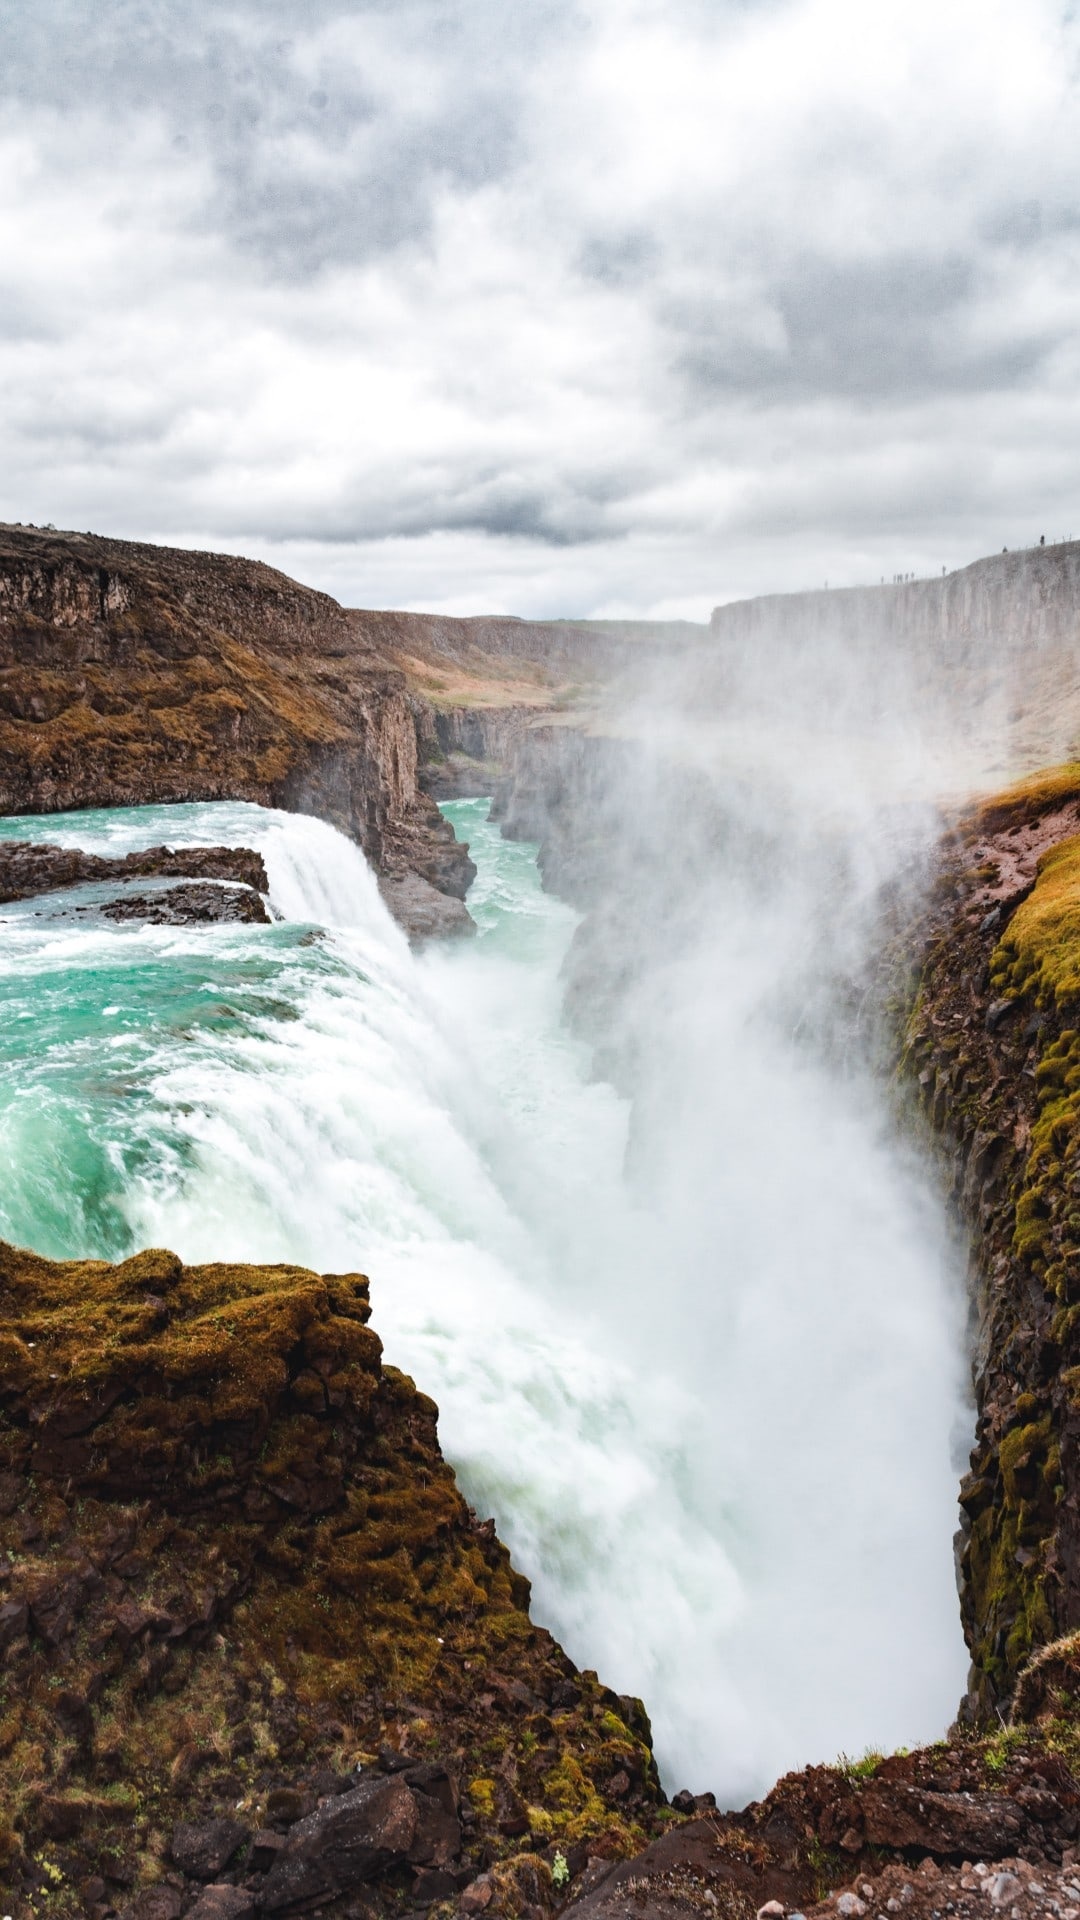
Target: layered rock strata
{"type": "Point", "coordinates": [994, 642]}
{"type": "Point", "coordinates": [131, 673]}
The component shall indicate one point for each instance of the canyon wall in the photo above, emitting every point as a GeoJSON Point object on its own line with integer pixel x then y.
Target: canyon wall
{"type": "Point", "coordinates": [234, 1568]}
{"type": "Point", "coordinates": [1015, 601]}
{"type": "Point", "coordinates": [991, 1050]}
{"type": "Point", "coordinates": [133, 674]}
{"type": "Point", "coordinates": [1000, 638]}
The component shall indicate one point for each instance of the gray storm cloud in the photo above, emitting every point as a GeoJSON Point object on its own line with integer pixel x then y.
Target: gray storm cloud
{"type": "Point", "coordinates": [580, 307]}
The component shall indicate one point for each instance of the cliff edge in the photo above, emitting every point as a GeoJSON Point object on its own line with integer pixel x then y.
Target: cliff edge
{"type": "Point", "coordinates": [251, 1633]}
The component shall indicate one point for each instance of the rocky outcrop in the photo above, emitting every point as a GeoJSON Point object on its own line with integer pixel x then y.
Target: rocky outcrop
{"type": "Point", "coordinates": [223, 884]}
{"type": "Point", "coordinates": [918, 1822]}
{"type": "Point", "coordinates": [27, 868]}
{"type": "Point", "coordinates": [184, 904]}
{"type": "Point", "coordinates": [234, 1572]}
{"type": "Point", "coordinates": [258, 1656]}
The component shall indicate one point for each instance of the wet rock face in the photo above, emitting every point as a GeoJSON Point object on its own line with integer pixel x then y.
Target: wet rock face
{"type": "Point", "coordinates": [424, 911]}
{"type": "Point", "coordinates": [187, 905]}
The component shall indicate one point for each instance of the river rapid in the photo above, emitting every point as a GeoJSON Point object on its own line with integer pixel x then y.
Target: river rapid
{"type": "Point", "coordinates": [728, 1465]}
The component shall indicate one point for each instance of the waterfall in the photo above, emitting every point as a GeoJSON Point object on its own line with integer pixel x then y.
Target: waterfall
{"type": "Point", "coordinates": [713, 1430]}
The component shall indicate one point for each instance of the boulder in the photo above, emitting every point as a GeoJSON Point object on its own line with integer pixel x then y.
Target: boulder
{"type": "Point", "coordinates": [154, 1903]}
{"type": "Point", "coordinates": [437, 1840]}
{"type": "Point", "coordinates": [202, 1848]}
{"type": "Point", "coordinates": [223, 1903]}
{"type": "Point", "coordinates": [348, 1840]}
{"type": "Point", "coordinates": [980, 1826]}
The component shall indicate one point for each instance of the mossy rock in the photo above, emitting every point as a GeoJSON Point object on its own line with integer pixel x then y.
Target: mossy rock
{"type": "Point", "coordinates": [233, 1547]}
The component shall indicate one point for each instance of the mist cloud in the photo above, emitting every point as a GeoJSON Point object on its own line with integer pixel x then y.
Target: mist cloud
{"type": "Point", "coordinates": [458, 306]}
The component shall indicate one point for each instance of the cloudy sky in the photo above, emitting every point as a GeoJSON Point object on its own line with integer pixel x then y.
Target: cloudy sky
{"type": "Point", "coordinates": [562, 306]}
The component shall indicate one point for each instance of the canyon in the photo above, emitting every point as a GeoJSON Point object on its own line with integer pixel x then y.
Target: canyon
{"type": "Point", "coordinates": [258, 1653]}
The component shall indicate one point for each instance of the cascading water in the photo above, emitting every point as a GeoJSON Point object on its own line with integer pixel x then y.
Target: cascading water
{"type": "Point", "coordinates": [725, 1466]}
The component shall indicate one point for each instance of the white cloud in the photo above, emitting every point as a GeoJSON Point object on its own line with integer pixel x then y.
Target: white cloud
{"type": "Point", "coordinates": [599, 306]}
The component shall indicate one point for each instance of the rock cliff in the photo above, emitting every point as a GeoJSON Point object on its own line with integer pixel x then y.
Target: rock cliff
{"type": "Point", "coordinates": [250, 1632]}
{"type": "Point", "coordinates": [1000, 635]}
{"type": "Point", "coordinates": [131, 674]}
{"type": "Point", "coordinates": [992, 1045]}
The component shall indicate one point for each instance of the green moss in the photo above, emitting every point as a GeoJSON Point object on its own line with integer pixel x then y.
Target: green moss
{"type": "Point", "coordinates": [1039, 951]}
{"type": "Point", "coordinates": [1006, 1553]}
{"type": "Point", "coordinates": [482, 1795]}
{"type": "Point", "coordinates": [613, 1727]}
{"type": "Point", "coordinates": [1000, 1748]}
